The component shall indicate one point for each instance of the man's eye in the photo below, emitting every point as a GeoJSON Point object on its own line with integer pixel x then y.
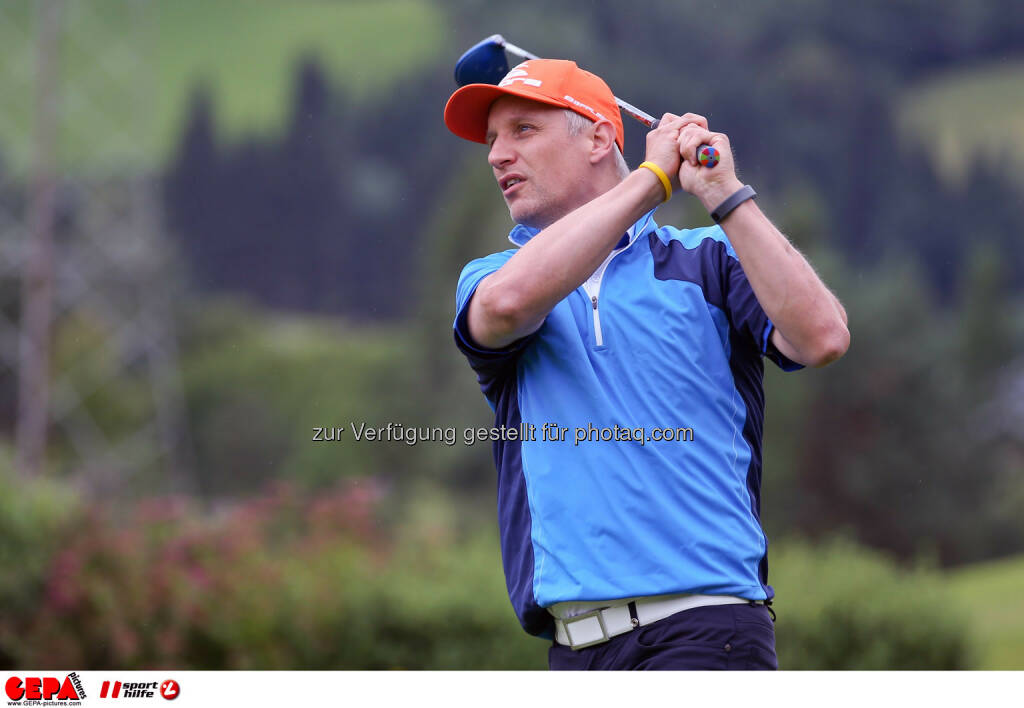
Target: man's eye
{"type": "Point", "coordinates": [523, 127]}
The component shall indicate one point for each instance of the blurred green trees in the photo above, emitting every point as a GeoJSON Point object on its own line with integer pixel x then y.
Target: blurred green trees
{"type": "Point", "coordinates": [257, 386]}
{"type": "Point", "coordinates": [892, 442]}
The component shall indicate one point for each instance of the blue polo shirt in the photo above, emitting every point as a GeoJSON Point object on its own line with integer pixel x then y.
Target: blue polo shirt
{"type": "Point", "coordinates": [657, 362]}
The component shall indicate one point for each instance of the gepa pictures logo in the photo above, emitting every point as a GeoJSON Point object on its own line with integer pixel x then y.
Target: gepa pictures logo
{"type": "Point", "coordinates": [45, 688]}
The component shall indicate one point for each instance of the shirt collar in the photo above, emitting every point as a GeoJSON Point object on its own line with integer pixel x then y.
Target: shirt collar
{"type": "Point", "coordinates": [520, 234]}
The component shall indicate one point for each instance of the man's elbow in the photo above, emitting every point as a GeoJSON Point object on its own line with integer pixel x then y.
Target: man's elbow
{"type": "Point", "coordinates": [501, 316]}
{"type": "Point", "coordinates": [830, 344]}
{"type": "Point", "coordinates": [502, 308]}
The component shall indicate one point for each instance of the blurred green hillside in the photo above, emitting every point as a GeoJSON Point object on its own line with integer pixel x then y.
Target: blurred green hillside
{"type": "Point", "coordinates": [991, 595]}
{"type": "Point", "coordinates": [966, 117]}
{"type": "Point", "coordinates": [240, 51]}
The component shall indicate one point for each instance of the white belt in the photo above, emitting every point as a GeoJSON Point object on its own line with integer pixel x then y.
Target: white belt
{"type": "Point", "coordinates": [607, 620]}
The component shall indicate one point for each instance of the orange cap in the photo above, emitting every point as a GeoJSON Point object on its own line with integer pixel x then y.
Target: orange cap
{"type": "Point", "coordinates": [556, 82]}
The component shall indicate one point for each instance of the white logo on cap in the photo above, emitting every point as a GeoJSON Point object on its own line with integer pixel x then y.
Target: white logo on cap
{"type": "Point", "coordinates": [582, 105]}
{"type": "Point", "coordinates": [518, 74]}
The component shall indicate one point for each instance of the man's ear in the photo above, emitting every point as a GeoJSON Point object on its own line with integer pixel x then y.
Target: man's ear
{"type": "Point", "coordinates": [602, 140]}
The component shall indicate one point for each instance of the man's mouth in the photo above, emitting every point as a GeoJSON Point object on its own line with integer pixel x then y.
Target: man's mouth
{"type": "Point", "coordinates": [509, 182]}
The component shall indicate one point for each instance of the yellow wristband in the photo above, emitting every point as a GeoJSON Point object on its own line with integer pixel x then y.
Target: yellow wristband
{"type": "Point", "coordinates": [662, 176]}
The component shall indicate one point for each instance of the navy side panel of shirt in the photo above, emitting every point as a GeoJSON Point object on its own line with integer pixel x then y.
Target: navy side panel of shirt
{"type": "Point", "coordinates": [749, 336]}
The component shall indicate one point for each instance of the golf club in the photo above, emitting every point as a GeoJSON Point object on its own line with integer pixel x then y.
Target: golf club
{"type": "Point", "coordinates": [485, 63]}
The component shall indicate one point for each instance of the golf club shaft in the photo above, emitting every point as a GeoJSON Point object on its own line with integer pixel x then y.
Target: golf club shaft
{"type": "Point", "coordinates": [645, 118]}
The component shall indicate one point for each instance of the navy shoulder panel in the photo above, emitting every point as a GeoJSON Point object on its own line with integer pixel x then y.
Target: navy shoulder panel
{"type": "Point", "coordinates": [698, 256]}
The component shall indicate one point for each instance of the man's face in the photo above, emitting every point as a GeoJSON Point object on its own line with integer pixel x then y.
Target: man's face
{"type": "Point", "coordinates": [542, 171]}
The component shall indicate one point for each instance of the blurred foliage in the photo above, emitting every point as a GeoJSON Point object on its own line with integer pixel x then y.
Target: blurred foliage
{"type": "Point", "coordinates": [844, 607]}
{"type": "Point", "coordinates": [291, 580]}
{"type": "Point", "coordinates": [257, 386]}
{"type": "Point", "coordinates": [86, 349]}
{"type": "Point", "coordinates": [991, 592]}
{"type": "Point", "coordinates": [36, 519]}
{"type": "Point", "coordinates": [284, 581]}
{"type": "Point", "coordinates": [467, 224]}
{"type": "Point", "coordinates": [889, 441]}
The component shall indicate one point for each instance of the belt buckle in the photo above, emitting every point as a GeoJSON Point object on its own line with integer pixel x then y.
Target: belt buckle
{"type": "Point", "coordinates": [585, 616]}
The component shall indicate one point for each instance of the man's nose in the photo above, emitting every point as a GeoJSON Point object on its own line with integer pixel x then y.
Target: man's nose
{"type": "Point", "coordinates": [500, 154]}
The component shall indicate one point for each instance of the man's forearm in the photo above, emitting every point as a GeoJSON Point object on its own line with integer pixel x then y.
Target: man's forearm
{"type": "Point", "coordinates": [513, 301]}
{"type": "Point", "coordinates": [802, 308]}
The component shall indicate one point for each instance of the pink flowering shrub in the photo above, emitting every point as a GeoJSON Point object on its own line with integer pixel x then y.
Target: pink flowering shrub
{"type": "Point", "coordinates": [286, 580]}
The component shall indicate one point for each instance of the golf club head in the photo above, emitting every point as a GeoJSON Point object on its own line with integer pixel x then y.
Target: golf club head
{"type": "Point", "coordinates": [483, 63]}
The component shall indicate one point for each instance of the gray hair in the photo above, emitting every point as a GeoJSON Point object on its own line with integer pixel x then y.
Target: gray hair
{"type": "Point", "coordinates": [577, 122]}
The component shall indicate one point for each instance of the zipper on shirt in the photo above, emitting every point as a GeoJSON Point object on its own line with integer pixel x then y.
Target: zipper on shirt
{"type": "Point", "coordinates": [597, 322]}
{"type": "Point", "coordinates": [592, 287]}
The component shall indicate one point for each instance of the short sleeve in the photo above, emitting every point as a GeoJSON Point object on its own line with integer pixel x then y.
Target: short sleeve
{"type": "Point", "coordinates": [749, 318]}
{"type": "Point", "coordinates": [488, 363]}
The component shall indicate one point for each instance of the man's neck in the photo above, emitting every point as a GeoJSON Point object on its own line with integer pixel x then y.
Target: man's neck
{"type": "Point", "coordinates": [599, 187]}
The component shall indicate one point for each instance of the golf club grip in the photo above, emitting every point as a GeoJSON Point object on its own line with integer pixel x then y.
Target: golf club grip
{"type": "Point", "coordinates": [709, 165]}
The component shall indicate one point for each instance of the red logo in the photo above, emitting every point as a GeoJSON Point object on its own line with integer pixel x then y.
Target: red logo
{"type": "Point", "coordinates": [34, 688]}
{"type": "Point", "coordinates": [169, 689]}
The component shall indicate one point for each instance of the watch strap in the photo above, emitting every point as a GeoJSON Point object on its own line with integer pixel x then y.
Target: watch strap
{"type": "Point", "coordinates": [734, 200]}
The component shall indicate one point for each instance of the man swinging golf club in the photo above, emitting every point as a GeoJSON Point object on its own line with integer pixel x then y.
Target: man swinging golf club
{"type": "Point", "coordinates": [641, 549]}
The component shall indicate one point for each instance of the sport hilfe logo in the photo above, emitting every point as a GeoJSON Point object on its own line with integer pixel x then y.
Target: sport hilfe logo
{"type": "Point", "coordinates": [168, 689]}
{"type": "Point", "coordinates": [35, 688]}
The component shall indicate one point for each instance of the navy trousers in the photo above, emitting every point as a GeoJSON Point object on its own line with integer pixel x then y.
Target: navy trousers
{"type": "Point", "coordinates": [719, 637]}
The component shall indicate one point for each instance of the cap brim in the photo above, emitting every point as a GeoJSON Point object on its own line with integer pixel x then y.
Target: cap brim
{"type": "Point", "coordinates": [466, 111]}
